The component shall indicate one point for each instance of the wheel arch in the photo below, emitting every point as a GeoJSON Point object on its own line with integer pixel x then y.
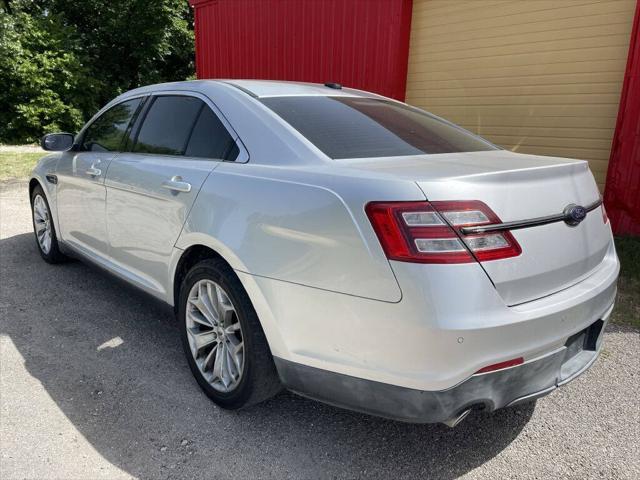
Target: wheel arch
{"type": "Point", "coordinates": [190, 257]}
{"type": "Point", "coordinates": [190, 248]}
{"type": "Point", "coordinates": [33, 183]}
{"type": "Point", "coordinates": [50, 194]}
{"type": "Point", "coordinates": [195, 252]}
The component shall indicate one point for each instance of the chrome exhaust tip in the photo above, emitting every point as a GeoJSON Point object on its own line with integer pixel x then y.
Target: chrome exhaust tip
{"type": "Point", "coordinates": [453, 421]}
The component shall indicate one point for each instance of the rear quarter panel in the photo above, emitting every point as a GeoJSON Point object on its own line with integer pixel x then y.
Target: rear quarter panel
{"type": "Point", "coordinates": [298, 226]}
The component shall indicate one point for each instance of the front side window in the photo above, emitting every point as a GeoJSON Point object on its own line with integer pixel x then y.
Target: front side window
{"type": "Point", "coordinates": [106, 133]}
{"type": "Point", "coordinates": [357, 127]}
{"type": "Point", "coordinates": [167, 125]}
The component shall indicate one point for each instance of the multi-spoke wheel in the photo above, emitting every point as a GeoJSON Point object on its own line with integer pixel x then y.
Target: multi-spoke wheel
{"type": "Point", "coordinates": [42, 223]}
{"type": "Point", "coordinates": [43, 227]}
{"type": "Point", "coordinates": [222, 337]}
{"type": "Point", "coordinates": [215, 335]}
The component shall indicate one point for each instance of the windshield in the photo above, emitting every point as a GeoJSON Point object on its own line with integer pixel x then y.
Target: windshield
{"type": "Point", "coordinates": [357, 127]}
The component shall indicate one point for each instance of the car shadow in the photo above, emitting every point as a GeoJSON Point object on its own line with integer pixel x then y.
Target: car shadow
{"type": "Point", "coordinates": [111, 359]}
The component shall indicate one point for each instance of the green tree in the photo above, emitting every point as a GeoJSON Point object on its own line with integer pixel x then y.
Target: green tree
{"type": "Point", "coordinates": [82, 53]}
{"type": "Point", "coordinates": [40, 78]}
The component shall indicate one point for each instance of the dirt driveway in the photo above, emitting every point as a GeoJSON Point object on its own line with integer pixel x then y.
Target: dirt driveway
{"type": "Point", "coordinates": [93, 384]}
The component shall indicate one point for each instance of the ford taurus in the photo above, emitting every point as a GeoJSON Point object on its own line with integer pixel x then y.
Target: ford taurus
{"type": "Point", "coordinates": [343, 245]}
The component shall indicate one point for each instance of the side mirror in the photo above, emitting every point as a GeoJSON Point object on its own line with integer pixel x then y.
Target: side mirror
{"type": "Point", "coordinates": [57, 142]}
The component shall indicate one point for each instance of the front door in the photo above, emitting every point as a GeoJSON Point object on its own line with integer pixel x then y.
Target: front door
{"type": "Point", "coordinates": [81, 193]}
{"type": "Point", "coordinates": [151, 189]}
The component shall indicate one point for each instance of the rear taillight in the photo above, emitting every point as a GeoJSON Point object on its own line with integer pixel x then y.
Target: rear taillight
{"type": "Point", "coordinates": [605, 217]}
{"type": "Point", "coordinates": [429, 232]}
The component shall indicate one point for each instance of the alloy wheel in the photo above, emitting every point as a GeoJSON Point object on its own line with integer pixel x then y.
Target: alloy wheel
{"type": "Point", "coordinates": [42, 223]}
{"type": "Point", "coordinates": [215, 335]}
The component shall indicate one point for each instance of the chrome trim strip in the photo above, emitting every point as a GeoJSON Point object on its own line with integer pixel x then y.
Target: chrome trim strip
{"type": "Point", "coordinates": [533, 222]}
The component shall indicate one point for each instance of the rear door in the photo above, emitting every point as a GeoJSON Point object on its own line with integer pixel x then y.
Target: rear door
{"type": "Point", "coordinates": [178, 141]}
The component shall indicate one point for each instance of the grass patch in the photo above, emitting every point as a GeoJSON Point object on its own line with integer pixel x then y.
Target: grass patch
{"type": "Point", "coordinates": [627, 309]}
{"type": "Point", "coordinates": [18, 165]}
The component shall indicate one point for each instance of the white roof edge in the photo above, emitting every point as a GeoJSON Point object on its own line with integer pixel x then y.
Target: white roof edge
{"type": "Point", "coordinates": [283, 88]}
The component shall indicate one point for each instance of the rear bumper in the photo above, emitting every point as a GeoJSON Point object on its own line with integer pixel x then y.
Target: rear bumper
{"type": "Point", "coordinates": [449, 324]}
{"type": "Point", "coordinates": [489, 391]}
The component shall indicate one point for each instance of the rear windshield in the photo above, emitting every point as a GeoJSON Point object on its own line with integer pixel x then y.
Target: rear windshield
{"type": "Point", "coordinates": [355, 127]}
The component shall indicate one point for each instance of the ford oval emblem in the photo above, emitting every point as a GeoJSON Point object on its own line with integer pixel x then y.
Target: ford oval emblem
{"type": "Point", "coordinates": [574, 214]}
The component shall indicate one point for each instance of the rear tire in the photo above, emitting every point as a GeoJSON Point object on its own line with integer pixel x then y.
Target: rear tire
{"type": "Point", "coordinates": [44, 228]}
{"type": "Point", "coordinates": [223, 340]}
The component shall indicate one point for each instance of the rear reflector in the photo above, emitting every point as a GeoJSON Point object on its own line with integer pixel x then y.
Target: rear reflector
{"type": "Point", "coordinates": [424, 232]}
{"type": "Point", "coordinates": [501, 365]}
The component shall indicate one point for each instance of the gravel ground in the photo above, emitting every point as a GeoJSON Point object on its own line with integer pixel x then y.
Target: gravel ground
{"type": "Point", "coordinates": [93, 384]}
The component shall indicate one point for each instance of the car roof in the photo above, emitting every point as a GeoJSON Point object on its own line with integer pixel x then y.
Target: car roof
{"type": "Point", "coordinates": [256, 88]}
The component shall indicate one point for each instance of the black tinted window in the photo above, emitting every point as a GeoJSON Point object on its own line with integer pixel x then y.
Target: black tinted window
{"type": "Point", "coordinates": [354, 127]}
{"type": "Point", "coordinates": [107, 132]}
{"type": "Point", "coordinates": [210, 139]}
{"type": "Point", "coordinates": [167, 125]}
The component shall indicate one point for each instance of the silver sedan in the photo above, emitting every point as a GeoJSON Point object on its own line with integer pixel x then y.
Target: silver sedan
{"type": "Point", "coordinates": [343, 245]}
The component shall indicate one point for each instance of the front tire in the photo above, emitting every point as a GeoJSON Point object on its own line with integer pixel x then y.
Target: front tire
{"type": "Point", "coordinates": [44, 229]}
{"type": "Point", "coordinates": [222, 338]}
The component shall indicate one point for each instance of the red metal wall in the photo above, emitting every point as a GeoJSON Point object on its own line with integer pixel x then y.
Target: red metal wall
{"type": "Point", "coordinates": [622, 191]}
{"type": "Point", "coordinates": [359, 43]}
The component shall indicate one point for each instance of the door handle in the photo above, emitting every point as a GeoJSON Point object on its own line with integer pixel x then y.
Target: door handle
{"type": "Point", "coordinates": [93, 171]}
{"type": "Point", "coordinates": [176, 185]}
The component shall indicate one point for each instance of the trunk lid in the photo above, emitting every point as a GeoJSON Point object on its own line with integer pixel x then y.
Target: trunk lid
{"type": "Point", "coordinates": [518, 187]}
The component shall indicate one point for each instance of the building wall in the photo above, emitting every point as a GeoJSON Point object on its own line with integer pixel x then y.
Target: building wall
{"type": "Point", "coordinates": [622, 194]}
{"type": "Point", "coordinates": [540, 77]}
{"type": "Point", "coordinates": [362, 44]}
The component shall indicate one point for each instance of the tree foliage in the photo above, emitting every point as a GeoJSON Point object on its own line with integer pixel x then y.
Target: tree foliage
{"type": "Point", "coordinates": [60, 60]}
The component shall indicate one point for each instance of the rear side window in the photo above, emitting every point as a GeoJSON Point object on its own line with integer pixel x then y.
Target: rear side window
{"type": "Point", "coordinates": [167, 125]}
{"type": "Point", "coordinates": [355, 127]}
{"type": "Point", "coordinates": [106, 133]}
{"type": "Point", "coordinates": [210, 139]}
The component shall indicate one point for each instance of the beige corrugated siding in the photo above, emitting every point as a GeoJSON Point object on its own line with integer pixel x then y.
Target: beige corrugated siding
{"type": "Point", "coordinates": [534, 76]}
